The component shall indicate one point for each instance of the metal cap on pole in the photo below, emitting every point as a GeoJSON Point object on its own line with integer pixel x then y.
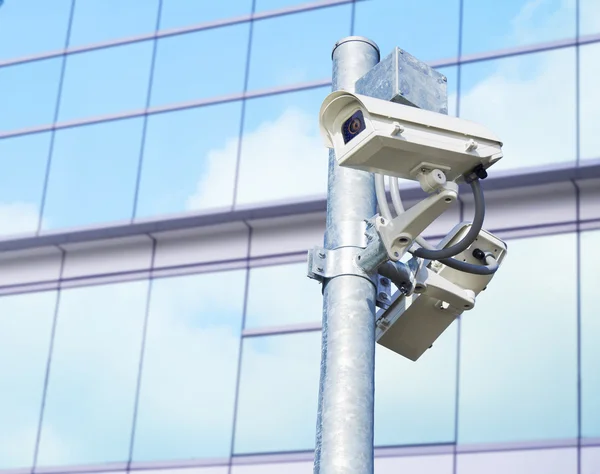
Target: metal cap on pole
{"type": "Point", "coordinates": [344, 442]}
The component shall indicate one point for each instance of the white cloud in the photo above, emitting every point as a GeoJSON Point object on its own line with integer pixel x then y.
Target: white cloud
{"type": "Point", "coordinates": [18, 218]}
{"type": "Point", "coordinates": [281, 159]}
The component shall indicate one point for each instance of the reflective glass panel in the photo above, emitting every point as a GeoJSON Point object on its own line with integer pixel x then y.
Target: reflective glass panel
{"type": "Point", "coordinates": [281, 135]}
{"type": "Point", "coordinates": [190, 159]}
{"type": "Point", "coordinates": [93, 174]}
{"type": "Point", "coordinates": [95, 364]}
{"type": "Point", "coordinates": [589, 104]}
{"type": "Point", "coordinates": [518, 356]}
{"type": "Point", "coordinates": [278, 394]}
{"type": "Point", "coordinates": [190, 367]}
{"type": "Point", "coordinates": [510, 97]}
{"type": "Point", "coordinates": [25, 331]}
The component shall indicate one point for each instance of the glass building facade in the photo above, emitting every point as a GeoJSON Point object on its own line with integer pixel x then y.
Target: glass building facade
{"type": "Point", "coordinates": [162, 180]}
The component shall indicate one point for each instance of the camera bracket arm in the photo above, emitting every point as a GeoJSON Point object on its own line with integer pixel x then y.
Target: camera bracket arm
{"type": "Point", "coordinates": [390, 239]}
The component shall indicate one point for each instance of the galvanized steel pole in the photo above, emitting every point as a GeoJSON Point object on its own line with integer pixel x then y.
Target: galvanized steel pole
{"type": "Point", "coordinates": [344, 442]}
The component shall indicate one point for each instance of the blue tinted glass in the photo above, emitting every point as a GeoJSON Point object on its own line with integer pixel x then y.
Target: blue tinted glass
{"type": "Point", "coordinates": [490, 25]}
{"type": "Point", "coordinates": [106, 81]}
{"type": "Point", "coordinates": [200, 65]}
{"type": "Point", "coordinates": [302, 52]}
{"type": "Point", "coordinates": [190, 158]}
{"type": "Point", "coordinates": [281, 135]}
{"type": "Point", "coordinates": [424, 412]}
{"type": "Point", "coordinates": [510, 97]}
{"type": "Point", "coordinates": [589, 105]}
{"type": "Point", "coordinates": [25, 326]}
{"type": "Point", "coordinates": [190, 367]}
{"type": "Point", "coordinates": [33, 26]}
{"type": "Point", "coordinates": [267, 5]}
{"type": "Point", "coordinates": [29, 93]}
{"type": "Point", "coordinates": [589, 17]}
{"type": "Point", "coordinates": [23, 160]}
{"type": "Point", "coordinates": [178, 13]}
{"type": "Point", "coordinates": [271, 303]}
{"type": "Point", "coordinates": [590, 336]}
{"type": "Point", "coordinates": [95, 21]}
{"type": "Point", "coordinates": [427, 30]}
{"type": "Point", "coordinates": [93, 376]}
{"type": "Point", "coordinates": [518, 358]}
{"type": "Point", "coordinates": [93, 174]}
{"type": "Point", "coordinates": [277, 404]}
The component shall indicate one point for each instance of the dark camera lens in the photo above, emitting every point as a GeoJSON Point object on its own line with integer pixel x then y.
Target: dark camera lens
{"type": "Point", "coordinates": [353, 126]}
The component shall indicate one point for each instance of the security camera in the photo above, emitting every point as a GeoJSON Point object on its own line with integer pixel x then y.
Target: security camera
{"type": "Point", "coordinates": [438, 295]}
{"type": "Point", "coordinates": [399, 140]}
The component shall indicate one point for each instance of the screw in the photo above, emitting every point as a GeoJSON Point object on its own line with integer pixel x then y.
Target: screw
{"type": "Point", "coordinates": [401, 51]}
{"type": "Point", "coordinates": [384, 281]}
{"type": "Point", "coordinates": [382, 220]}
{"type": "Point", "coordinates": [319, 269]}
{"type": "Point", "coordinates": [321, 254]}
{"type": "Point", "coordinates": [383, 296]}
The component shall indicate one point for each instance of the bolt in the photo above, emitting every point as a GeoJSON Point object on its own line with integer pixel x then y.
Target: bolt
{"type": "Point", "coordinates": [401, 51]}
{"type": "Point", "coordinates": [382, 220]}
{"type": "Point", "coordinates": [384, 281]}
{"type": "Point", "coordinates": [383, 296]}
{"type": "Point", "coordinates": [444, 78]}
{"type": "Point", "coordinates": [423, 170]}
{"type": "Point", "coordinates": [319, 269]}
{"type": "Point", "coordinates": [321, 254]}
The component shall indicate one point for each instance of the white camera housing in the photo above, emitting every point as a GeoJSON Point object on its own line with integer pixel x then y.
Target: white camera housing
{"type": "Point", "coordinates": [403, 141]}
{"type": "Point", "coordinates": [412, 323]}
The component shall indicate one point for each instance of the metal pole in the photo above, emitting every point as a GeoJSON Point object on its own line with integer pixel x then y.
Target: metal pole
{"type": "Point", "coordinates": [344, 442]}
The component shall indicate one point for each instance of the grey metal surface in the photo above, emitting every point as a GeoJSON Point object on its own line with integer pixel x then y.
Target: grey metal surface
{"type": "Point", "coordinates": [344, 441]}
{"type": "Point", "coordinates": [404, 79]}
{"type": "Point", "coordinates": [324, 264]}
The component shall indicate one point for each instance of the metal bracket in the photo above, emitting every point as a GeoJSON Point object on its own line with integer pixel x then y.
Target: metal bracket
{"type": "Point", "coordinates": [384, 292]}
{"type": "Point", "coordinates": [397, 235]}
{"type": "Point", "coordinates": [326, 264]}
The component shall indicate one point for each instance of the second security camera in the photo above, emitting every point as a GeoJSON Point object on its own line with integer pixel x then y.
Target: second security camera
{"type": "Point", "coordinates": [399, 140]}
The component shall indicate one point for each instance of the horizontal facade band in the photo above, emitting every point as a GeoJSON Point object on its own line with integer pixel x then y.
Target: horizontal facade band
{"type": "Point", "coordinates": [307, 456]}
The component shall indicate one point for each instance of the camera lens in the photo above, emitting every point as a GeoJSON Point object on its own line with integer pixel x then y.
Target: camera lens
{"type": "Point", "coordinates": [353, 126]}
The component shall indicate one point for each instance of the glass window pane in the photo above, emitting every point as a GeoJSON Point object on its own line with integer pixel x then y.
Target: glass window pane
{"type": "Point", "coordinates": [178, 13]}
{"type": "Point", "coordinates": [281, 135]}
{"type": "Point", "coordinates": [555, 461]}
{"type": "Point", "coordinates": [590, 336]}
{"type": "Point", "coordinates": [589, 17]}
{"type": "Point", "coordinates": [200, 65]}
{"type": "Point", "coordinates": [20, 19]}
{"type": "Point", "coordinates": [490, 25]}
{"type": "Point", "coordinates": [423, 412]}
{"type": "Point", "coordinates": [190, 158]}
{"type": "Point", "coordinates": [282, 294]}
{"type": "Point", "coordinates": [589, 104]}
{"type": "Point", "coordinates": [266, 5]}
{"type": "Point", "coordinates": [29, 93]}
{"type": "Point", "coordinates": [278, 468]}
{"type": "Point", "coordinates": [95, 22]}
{"type": "Point", "coordinates": [380, 20]}
{"type": "Point", "coordinates": [190, 367]}
{"type": "Point", "coordinates": [303, 56]}
{"type": "Point", "coordinates": [436, 464]}
{"type": "Point", "coordinates": [25, 328]}
{"type": "Point", "coordinates": [23, 160]}
{"type": "Point", "coordinates": [93, 174]}
{"type": "Point", "coordinates": [518, 358]}
{"type": "Point", "coordinates": [93, 376]}
{"type": "Point", "coordinates": [278, 394]}
{"type": "Point", "coordinates": [590, 460]}
{"type": "Point", "coordinates": [510, 97]}
{"type": "Point", "coordinates": [106, 81]}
